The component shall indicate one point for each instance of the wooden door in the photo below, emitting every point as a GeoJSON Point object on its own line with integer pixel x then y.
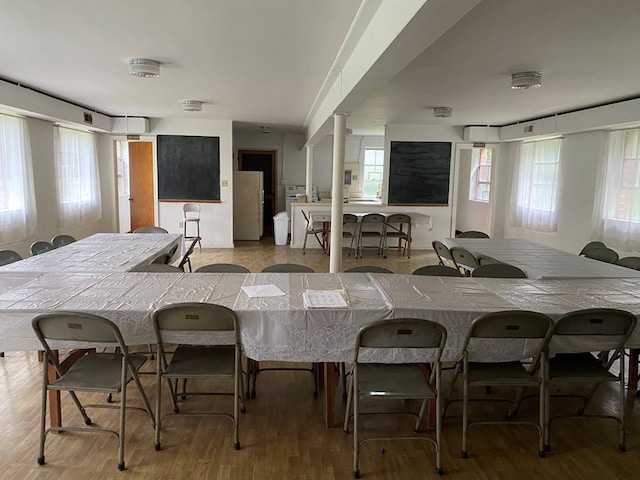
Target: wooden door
{"type": "Point", "coordinates": [141, 201]}
{"type": "Point", "coordinates": [262, 161]}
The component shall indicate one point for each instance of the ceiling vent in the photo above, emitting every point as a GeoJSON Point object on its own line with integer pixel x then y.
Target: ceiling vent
{"type": "Point", "coordinates": [192, 105]}
{"type": "Point", "coordinates": [526, 80]}
{"type": "Point", "coordinates": [442, 112]}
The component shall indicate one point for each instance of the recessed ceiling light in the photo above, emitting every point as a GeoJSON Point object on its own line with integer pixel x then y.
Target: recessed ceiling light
{"type": "Point", "coordinates": [192, 105]}
{"type": "Point", "coordinates": [442, 112]}
{"type": "Point", "coordinates": [525, 80]}
{"type": "Point", "coordinates": [143, 67]}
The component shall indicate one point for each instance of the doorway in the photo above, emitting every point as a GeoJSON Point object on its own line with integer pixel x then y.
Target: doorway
{"type": "Point", "coordinates": [262, 161]}
{"type": "Point", "coordinates": [135, 184]}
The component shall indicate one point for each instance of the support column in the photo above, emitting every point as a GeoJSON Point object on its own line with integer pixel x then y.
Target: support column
{"type": "Point", "coordinates": [309, 180]}
{"type": "Point", "coordinates": [339, 133]}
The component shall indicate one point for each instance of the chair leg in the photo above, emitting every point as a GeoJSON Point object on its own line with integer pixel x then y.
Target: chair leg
{"type": "Point", "coordinates": [123, 408]}
{"type": "Point", "coordinates": [465, 426]}
{"type": "Point", "coordinates": [43, 414]}
{"type": "Point", "coordinates": [347, 413]}
{"type": "Point", "coordinates": [356, 443]}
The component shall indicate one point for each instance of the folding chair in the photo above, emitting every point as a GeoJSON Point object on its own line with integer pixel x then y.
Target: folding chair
{"type": "Point", "coordinates": [222, 268]}
{"type": "Point", "coordinates": [575, 336]}
{"type": "Point", "coordinates": [350, 230]}
{"type": "Point", "coordinates": [371, 227]}
{"type": "Point", "coordinates": [185, 258]}
{"type": "Point", "coordinates": [443, 253]}
{"type": "Point", "coordinates": [398, 226]}
{"type": "Point", "coordinates": [150, 229]}
{"type": "Point", "coordinates": [62, 240]}
{"type": "Point", "coordinates": [519, 336]}
{"type": "Point", "coordinates": [465, 260]}
{"type": "Point", "coordinates": [216, 355]}
{"type": "Point", "coordinates": [40, 247]}
{"type": "Point", "coordinates": [437, 271]}
{"type": "Point", "coordinates": [8, 256]}
{"type": "Point", "coordinates": [94, 372]}
{"type": "Point", "coordinates": [374, 378]}
{"type": "Point", "coordinates": [311, 229]}
{"type": "Point", "coordinates": [498, 270]}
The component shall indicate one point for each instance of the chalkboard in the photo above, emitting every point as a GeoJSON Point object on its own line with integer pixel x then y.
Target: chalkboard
{"type": "Point", "coordinates": [188, 168]}
{"type": "Point", "coordinates": [419, 173]}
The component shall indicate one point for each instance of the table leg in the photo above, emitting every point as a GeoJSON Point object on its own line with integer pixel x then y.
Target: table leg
{"type": "Point", "coordinates": [331, 379]}
{"type": "Point", "coordinates": [326, 235]}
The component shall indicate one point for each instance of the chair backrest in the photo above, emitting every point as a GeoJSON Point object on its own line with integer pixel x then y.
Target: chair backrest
{"type": "Point", "coordinates": [288, 268]}
{"type": "Point", "coordinates": [437, 271]}
{"type": "Point", "coordinates": [222, 268]}
{"type": "Point", "coordinates": [368, 269]}
{"type": "Point", "coordinates": [486, 260]}
{"type": "Point", "coordinates": [472, 234]}
{"type": "Point", "coordinates": [193, 316]}
{"type": "Point", "coordinates": [191, 211]}
{"type": "Point", "coordinates": [75, 327]}
{"type": "Point", "coordinates": [349, 218]}
{"type": "Point", "coordinates": [163, 258]}
{"type": "Point", "coordinates": [442, 251]}
{"type": "Point", "coordinates": [498, 270]}
{"type": "Point", "coordinates": [157, 267]}
{"type": "Point", "coordinates": [9, 256]}
{"type": "Point", "coordinates": [464, 258]}
{"type": "Point", "coordinates": [597, 329]}
{"type": "Point", "coordinates": [62, 240]}
{"type": "Point", "coordinates": [629, 262]}
{"type": "Point", "coordinates": [373, 218]}
{"type": "Point", "coordinates": [590, 245]}
{"type": "Point", "coordinates": [150, 229]}
{"type": "Point", "coordinates": [521, 333]}
{"type": "Point", "coordinates": [398, 333]}
{"type": "Point", "coordinates": [398, 219]}
{"type": "Point", "coordinates": [603, 254]}
{"type": "Point", "coordinates": [40, 247]}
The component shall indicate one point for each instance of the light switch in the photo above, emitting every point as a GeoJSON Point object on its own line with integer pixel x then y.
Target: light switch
{"type": "Point", "coordinates": [224, 183]}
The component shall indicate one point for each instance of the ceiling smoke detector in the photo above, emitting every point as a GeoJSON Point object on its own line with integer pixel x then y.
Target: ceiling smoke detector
{"type": "Point", "coordinates": [192, 105]}
{"type": "Point", "coordinates": [143, 67]}
{"type": "Point", "coordinates": [442, 112]}
{"type": "Point", "coordinates": [525, 80]}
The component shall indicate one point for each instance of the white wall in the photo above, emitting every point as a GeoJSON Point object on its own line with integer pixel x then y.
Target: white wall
{"type": "Point", "coordinates": [216, 219]}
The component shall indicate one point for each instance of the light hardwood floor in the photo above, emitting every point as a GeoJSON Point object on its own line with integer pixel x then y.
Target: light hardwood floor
{"type": "Point", "coordinates": [283, 434]}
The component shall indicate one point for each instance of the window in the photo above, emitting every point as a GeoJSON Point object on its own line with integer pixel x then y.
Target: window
{"type": "Point", "coordinates": [617, 219]}
{"type": "Point", "coordinates": [122, 156]}
{"type": "Point", "coordinates": [17, 198]}
{"type": "Point", "coordinates": [480, 181]}
{"type": "Point", "coordinates": [372, 171]}
{"type": "Point", "coordinates": [77, 177]}
{"type": "Point", "coordinates": [535, 187]}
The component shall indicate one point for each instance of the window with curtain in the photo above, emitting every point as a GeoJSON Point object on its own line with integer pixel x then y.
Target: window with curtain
{"type": "Point", "coordinates": [77, 177]}
{"type": "Point", "coordinates": [617, 219]}
{"type": "Point", "coordinates": [480, 181]}
{"type": "Point", "coordinates": [535, 187]}
{"type": "Point", "coordinates": [372, 171]}
{"type": "Point", "coordinates": [17, 198]}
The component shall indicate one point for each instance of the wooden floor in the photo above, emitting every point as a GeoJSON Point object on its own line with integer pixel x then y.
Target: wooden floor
{"type": "Point", "coordinates": [283, 436]}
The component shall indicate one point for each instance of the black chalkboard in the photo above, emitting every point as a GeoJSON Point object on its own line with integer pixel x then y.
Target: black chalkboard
{"type": "Point", "coordinates": [419, 173]}
{"type": "Point", "coordinates": [188, 168]}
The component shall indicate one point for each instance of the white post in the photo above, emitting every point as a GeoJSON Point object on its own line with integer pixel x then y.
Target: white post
{"type": "Point", "coordinates": [309, 172]}
{"type": "Point", "coordinates": [339, 133]}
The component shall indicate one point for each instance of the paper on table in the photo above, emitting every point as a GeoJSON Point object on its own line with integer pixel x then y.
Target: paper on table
{"type": "Point", "coordinates": [262, 291]}
{"type": "Point", "coordinates": [325, 299]}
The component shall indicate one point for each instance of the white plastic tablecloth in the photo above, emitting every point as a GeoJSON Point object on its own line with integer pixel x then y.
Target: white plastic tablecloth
{"type": "Point", "coordinates": [540, 261]}
{"type": "Point", "coordinates": [280, 328]}
{"type": "Point", "coordinates": [101, 252]}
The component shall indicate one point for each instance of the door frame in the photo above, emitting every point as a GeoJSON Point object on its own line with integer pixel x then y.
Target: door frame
{"type": "Point", "coordinates": [274, 165]}
{"type": "Point", "coordinates": [141, 138]}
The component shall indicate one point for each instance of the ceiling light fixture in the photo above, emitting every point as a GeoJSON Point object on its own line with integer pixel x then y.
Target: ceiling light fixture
{"type": "Point", "coordinates": [192, 105]}
{"type": "Point", "coordinates": [525, 80]}
{"type": "Point", "coordinates": [143, 67]}
{"type": "Point", "coordinates": [442, 112]}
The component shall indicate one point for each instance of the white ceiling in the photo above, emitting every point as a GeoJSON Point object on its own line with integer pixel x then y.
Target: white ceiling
{"type": "Point", "coordinates": [260, 62]}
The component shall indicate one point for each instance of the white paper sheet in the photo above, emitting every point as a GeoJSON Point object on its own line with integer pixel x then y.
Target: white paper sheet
{"type": "Point", "coordinates": [262, 291]}
{"type": "Point", "coordinates": [325, 299]}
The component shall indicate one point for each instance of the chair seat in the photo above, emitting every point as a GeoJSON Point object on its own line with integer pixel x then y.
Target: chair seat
{"type": "Point", "coordinates": [193, 361]}
{"type": "Point", "coordinates": [581, 366]}
{"type": "Point", "coordinates": [495, 374]}
{"type": "Point", "coordinates": [97, 372]}
{"type": "Point", "coordinates": [389, 381]}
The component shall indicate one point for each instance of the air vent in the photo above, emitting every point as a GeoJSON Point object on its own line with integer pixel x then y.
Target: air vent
{"type": "Point", "coordinates": [88, 118]}
{"type": "Point", "coordinates": [528, 129]}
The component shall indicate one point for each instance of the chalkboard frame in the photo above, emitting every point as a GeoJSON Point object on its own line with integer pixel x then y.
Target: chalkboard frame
{"type": "Point", "coordinates": [419, 173]}
{"type": "Point", "coordinates": [188, 168]}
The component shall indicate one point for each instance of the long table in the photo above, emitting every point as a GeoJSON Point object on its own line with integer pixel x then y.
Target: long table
{"type": "Point", "coordinates": [281, 328]}
{"type": "Point", "coordinates": [539, 261]}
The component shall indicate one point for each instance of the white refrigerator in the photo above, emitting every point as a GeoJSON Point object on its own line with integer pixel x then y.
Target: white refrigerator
{"type": "Point", "coordinates": [248, 205]}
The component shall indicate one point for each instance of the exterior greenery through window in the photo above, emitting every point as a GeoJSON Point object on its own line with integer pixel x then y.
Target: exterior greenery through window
{"type": "Point", "coordinates": [480, 181]}
{"type": "Point", "coordinates": [372, 171]}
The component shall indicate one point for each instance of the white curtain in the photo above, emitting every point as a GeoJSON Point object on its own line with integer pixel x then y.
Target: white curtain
{"type": "Point", "coordinates": [77, 177]}
{"type": "Point", "coordinates": [617, 213]}
{"type": "Point", "coordinates": [17, 198]}
{"type": "Point", "coordinates": [535, 187]}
